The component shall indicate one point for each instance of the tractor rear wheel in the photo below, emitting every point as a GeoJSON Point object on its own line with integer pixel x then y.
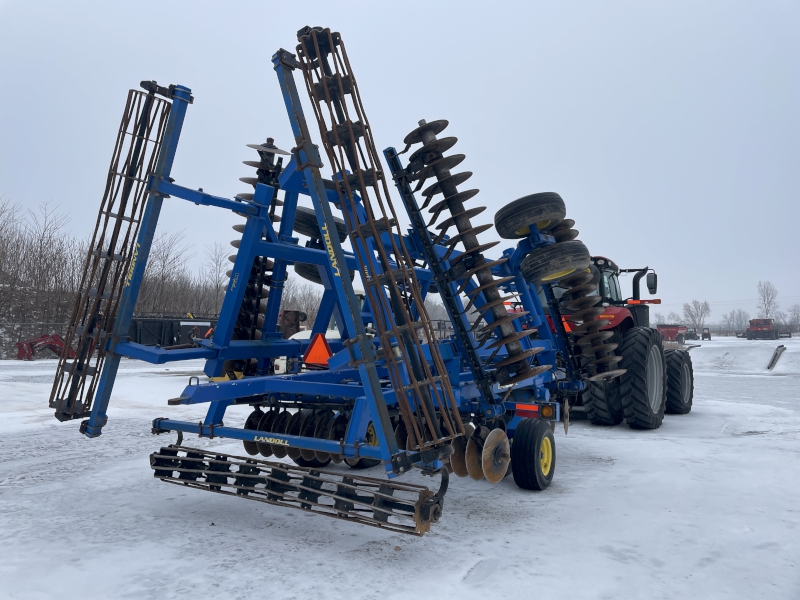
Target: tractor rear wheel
{"type": "Point", "coordinates": [554, 262]}
{"type": "Point", "coordinates": [533, 454]}
{"type": "Point", "coordinates": [305, 223]}
{"type": "Point", "coordinates": [680, 382]}
{"type": "Point", "coordinates": [643, 387]}
{"type": "Point", "coordinates": [602, 402]}
{"type": "Point", "coordinates": [514, 220]}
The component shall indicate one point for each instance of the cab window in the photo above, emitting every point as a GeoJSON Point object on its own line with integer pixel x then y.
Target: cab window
{"type": "Point", "coordinates": [609, 285]}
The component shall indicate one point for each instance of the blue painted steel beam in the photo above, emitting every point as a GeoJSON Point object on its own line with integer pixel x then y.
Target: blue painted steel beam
{"type": "Point", "coordinates": [93, 427]}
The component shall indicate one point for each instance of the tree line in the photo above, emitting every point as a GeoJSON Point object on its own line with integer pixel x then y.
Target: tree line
{"type": "Point", "coordinates": [696, 312]}
{"type": "Point", "coordinates": [41, 264]}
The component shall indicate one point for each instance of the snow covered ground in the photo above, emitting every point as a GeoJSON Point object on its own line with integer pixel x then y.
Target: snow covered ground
{"type": "Point", "coordinates": [704, 507]}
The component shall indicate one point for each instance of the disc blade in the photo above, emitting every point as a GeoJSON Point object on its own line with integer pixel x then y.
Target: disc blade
{"type": "Point", "coordinates": [338, 431]}
{"type": "Point", "coordinates": [473, 459]}
{"type": "Point", "coordinates": [264, 425]}
{"type": "Point", "coordinates": [268, 149]}
{"type": "Point", "coordinates": [496, 456]}
{"type": "Point", "coordinates": [321, 431]}
{"type": "Point", "coordinates": [307, 430]}
{"type": "Point", "coordinates": [293, 428]}
{"type": "Point", "coordinates": [279, 426]}
{"type": "Point", "coordinates": [458, 459]}
{"type": "Point", "coordinates": [252, 423]}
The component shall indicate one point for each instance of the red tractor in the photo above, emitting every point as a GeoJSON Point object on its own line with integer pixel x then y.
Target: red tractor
{"type": "Point", "coordinates": [665, 376]}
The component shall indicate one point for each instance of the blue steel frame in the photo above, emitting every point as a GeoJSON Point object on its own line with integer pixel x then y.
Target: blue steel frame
{"type": "Point", "coordinates": [360, 388]}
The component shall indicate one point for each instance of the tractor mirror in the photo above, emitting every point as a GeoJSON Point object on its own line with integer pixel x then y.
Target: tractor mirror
{"type": "Point", "coordinates": [652, 283]}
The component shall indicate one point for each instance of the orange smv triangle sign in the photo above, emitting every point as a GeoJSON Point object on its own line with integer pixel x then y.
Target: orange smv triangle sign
{"type": "Point", "coordinates": [318, 351]}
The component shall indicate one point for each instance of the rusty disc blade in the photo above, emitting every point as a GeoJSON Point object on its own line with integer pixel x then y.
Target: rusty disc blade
{"type": "Point", "coordinates": [458, 458]}
{"type": "Point", "coordinates": [473, 460]}
{"type": "Point", "coordinates": [496, 456]}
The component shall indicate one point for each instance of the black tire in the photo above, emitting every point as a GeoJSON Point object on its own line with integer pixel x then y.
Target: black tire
{"type": "Point", "coordinates": [513, 221]}
{"type": "Point", "coordinates": [643, 387]}
{"type": "Point", "coordinates": [554, 262]}
{"type": "Point", "coordinates": [311, 272]}
{"type": "Point", "coordinates": [602, 403]}
{"type": "Point", "coordinates": [680, 382]}
{"type": "Point", "coordinates": [680, 338]}
{"type": "Point", "coordinates": [305, 223]}
{"type": "Point", "coordinates": [527, 447]}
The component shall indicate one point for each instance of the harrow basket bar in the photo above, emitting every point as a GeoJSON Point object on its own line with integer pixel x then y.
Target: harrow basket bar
{"type": "Point", "coordinates": [395, 506]}
{"type": "Point", "coordinates": [139, 138]}
{"type": "Point", "coordinates": [429, 411]}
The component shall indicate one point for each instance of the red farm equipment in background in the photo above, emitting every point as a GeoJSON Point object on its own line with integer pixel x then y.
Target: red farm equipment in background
{"type": "Point", "coordinates": [52, 341]}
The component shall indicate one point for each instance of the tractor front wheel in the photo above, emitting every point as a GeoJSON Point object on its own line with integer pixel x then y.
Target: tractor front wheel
{"type": "Point", "coordinates": [643, 387]}
{"type": "Point", "coordinates": [533, 454]}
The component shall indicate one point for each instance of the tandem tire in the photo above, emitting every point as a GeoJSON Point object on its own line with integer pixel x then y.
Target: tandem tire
{"type": "Point", "coordinates": [643, 387]}
{"type": "Point", "coordinates": [533, 454]}
{"type": "Point", "coordinates": [513, 221]}
{"type": "Point", "coordinates": [554, 262]}
{"type": "Point", "coordinates": [602, 402]}
{"type": "Point", "coordinates": [680, 382]}
{"type": "Point", "coordinates": [305, 223]}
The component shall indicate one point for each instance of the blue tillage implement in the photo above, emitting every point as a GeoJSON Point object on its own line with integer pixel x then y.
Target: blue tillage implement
{"type": "Point", "coordinates": [392, 393]}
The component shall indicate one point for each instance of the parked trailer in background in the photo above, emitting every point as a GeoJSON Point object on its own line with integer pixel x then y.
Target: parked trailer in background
{"type": "Point", "coordinates": [762, 329]}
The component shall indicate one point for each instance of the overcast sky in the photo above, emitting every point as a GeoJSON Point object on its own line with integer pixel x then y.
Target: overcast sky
{"type": "Point", "coordinates": [671, 129]}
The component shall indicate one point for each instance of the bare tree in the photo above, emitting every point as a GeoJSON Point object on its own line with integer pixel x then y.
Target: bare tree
{"type": "Point", "coordinates": [674, 317]}
{"type": "Point", "coordinates": [767, 300]}
{"type": "Point", "coordinates": [742, 320]}
{"type": "Point", "coordinates": [657, 318]}
{"type": "Point", "coordinates": [302, 296]}
{"type": "Point", "coordinates": [794, 317]}
{"type": "Point", "coordinates": [695, 314]}
{"type": "Point", "coordinates": [729, 320]}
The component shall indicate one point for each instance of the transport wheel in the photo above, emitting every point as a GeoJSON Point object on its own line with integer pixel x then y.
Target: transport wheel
{"type": "Point", "coordinates": [554, 262]}
{"type": "Point", "coordinates": [305, 223]}
{"type": "Point", "coordinates": [514, 220]}
{"type": "Point", "coordinates": [311, 272]}
{"type": "Point", "coordinates": [533, 454]}
{"type": "Point", "coordinates": [643, 387]}
{"type": "Point", "coordinates": [371, 439]}
{"type": "Point", "coordinates": [680, 382]}
{"type": "Point", "coordinates": [602, 402]}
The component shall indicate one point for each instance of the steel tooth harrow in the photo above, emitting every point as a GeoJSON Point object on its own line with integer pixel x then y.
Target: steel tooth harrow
{"type": "Point", "coordinates": [429, 162]}
{"type": "Point", "coordinates": [428, 406]}
{"type": "Point", "coordinates": [112, 252]}
{"type": "Point", "coordinates": [400, 507]}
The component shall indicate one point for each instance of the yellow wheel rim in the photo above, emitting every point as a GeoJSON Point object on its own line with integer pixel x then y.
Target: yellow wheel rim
{"type": "Point", "coordinates": [546, 456]}
{"type": "Point", "coordinates": [558, 275]}
{"type": "Point", "coordinates": [527, 230]}
{"type": "Point", "coordinates": [371, 438]}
